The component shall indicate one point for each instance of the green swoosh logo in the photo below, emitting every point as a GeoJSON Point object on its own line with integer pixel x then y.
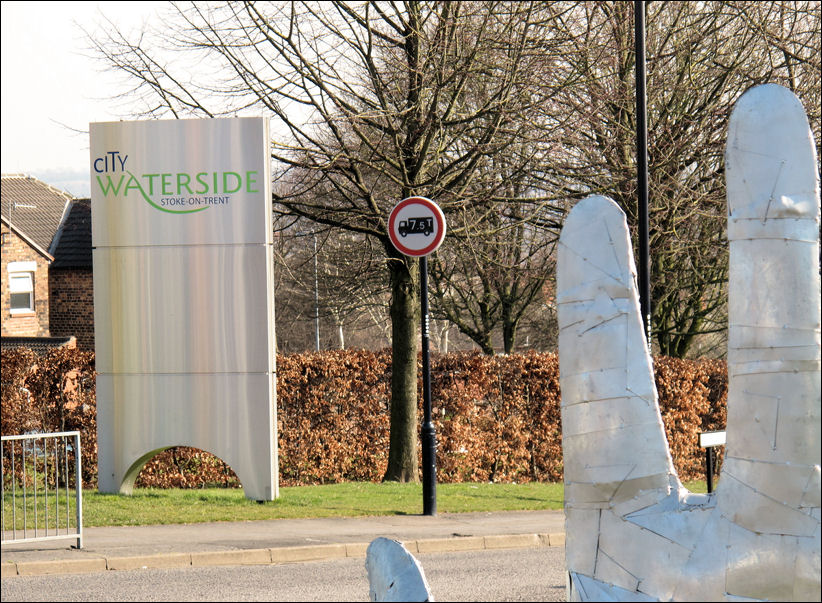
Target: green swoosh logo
{"type": "Point", "coordinates": [153, 204]}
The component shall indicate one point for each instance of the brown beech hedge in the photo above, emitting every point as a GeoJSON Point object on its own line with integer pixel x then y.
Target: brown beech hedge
{"type": "Point", "coordinates": [497, 418]}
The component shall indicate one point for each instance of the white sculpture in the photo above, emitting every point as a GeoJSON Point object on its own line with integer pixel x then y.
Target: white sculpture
{"type": "Point", "coordinates": [394, 574]}
{"type": "Point", "coordinates": [633, 532]}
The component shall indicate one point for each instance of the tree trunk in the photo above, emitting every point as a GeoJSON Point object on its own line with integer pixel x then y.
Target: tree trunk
{"type": "Point", "coordinates": [444, 339]}
{"type": "Point", "coordinates": [402, 453]}
{"type": "Point", "coordinates": [485, 344]}
{"type": "Point", "coordinates": [509, 327]}
{"type": "Point", "coordinates": [509, 336]}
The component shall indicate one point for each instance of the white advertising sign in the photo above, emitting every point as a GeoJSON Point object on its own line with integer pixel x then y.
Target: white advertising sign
{"type": "Point", "coordinates": [183, 296]}
{"type": "Point", "coordinates": [180, 182]}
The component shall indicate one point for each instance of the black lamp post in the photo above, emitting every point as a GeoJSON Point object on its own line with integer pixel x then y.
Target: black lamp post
{"type": "Point", "coordinates": [644, 276]}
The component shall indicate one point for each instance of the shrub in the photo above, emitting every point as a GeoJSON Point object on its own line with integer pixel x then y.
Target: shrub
{"type": "Point", "coordinates": [497, 418]}
{"type": "Point", "coordinates": [50, 393]}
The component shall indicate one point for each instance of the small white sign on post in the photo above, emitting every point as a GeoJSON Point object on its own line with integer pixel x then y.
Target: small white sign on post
{"type": "Point", "coordinates": [711, 438]}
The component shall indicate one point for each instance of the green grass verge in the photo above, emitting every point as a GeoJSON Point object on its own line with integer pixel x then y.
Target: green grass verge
{"type": "Point", "coordinates": [354, 499]}
{"type": "Point", "coordinates": [161, 506]}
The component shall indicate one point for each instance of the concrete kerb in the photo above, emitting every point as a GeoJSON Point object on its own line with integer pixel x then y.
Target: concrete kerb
{"type": "Point", "coordinates": [269, 556]}
{"type": "Point", "coordinates": [62, 566]}
{"type": "Point", "coordinates": [160, 560]}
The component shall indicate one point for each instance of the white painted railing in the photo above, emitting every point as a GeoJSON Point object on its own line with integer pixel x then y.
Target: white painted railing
{"type": "Point", "coordinates": [39, 471]}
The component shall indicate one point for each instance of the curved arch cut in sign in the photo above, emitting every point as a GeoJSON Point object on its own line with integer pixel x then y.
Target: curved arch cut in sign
{"type": "Point", "coordinates": [416, 226]}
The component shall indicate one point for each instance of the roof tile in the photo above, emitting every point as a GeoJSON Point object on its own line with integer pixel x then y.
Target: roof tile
{"type": "Point", "coordinates": [72, 243]}
{"type": "Point", "coordinates": [34, 207]}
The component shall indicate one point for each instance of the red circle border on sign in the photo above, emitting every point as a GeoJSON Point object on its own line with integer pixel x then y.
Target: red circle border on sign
{"type": "Point", "coordinates": [438, 215]}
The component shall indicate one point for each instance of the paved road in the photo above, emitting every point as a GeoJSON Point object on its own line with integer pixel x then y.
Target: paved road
{"type": "Point", "coordinates": [280, 541]}
{"type": "Point", "coordinates": [524, 574]}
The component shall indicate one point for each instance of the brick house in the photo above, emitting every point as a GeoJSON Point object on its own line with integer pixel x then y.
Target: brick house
{"type": "Point", "coordinates": [31, 213]}
{"type": "Point", "coordinates": [71, 283]}
{"type": "Point", "coordinates": [25, 268]}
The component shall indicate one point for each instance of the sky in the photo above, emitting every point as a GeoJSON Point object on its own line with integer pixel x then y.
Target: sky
{"type": "Point", "coordinates": [52, 88]}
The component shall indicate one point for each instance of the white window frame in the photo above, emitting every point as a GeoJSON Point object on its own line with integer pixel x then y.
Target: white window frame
{"type": "Point", "coordinates": [21, 280]}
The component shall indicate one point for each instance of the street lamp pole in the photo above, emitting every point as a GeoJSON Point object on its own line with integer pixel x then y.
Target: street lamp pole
{"type": "Point", "coordinates": [644, 276]}
{"type": "Point", "coordinates": [316, 297]}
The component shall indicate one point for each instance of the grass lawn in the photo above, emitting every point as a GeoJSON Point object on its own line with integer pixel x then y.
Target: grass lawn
{"type": "Point", "coordinates": [161, 506]}
{"type": "Point", "coordinates": [150, 506]}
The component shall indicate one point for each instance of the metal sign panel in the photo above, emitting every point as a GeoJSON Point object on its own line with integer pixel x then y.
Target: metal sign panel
{"type": "Point", "coordinates": [183, 296]}
{"type": "Point", "coordinates": [416, 226]}
{"type": "Point", "coordinates": [709, 439]}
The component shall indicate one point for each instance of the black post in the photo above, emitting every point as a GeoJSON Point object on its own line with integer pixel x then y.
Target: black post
{"type": "Point", "coordinates": [644, 277]}
{"type": "Point", "coordinates": [709, 460]}
{"type": "Point", "coordinates": [428, 438]}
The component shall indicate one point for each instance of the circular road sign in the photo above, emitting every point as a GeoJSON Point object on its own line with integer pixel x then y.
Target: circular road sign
{"type": "Point", "coordinates": [416, 226]}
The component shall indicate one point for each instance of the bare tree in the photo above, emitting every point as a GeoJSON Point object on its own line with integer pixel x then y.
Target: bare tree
{"type": "Point", "coordinates": [486, 278]}
{"type": "Point", "coordinates": [374, 103]}
{"type": "Point", "coordinates": [484, 284]}
{"type": "Point", "coordinates": [330, 289]}
{"type": "Point", "coordinates": [700, 58]}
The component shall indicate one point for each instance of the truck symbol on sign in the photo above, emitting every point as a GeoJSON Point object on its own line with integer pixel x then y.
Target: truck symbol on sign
{"type": "Point", "coordinates": [424, 226]}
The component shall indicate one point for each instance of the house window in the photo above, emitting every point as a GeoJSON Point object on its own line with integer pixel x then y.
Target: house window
{"type": "Point", "coordinates": [21, 287]}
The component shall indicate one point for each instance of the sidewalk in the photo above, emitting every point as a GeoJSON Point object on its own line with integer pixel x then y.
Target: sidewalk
{"type": "Point", "coordinates": [279, 541]}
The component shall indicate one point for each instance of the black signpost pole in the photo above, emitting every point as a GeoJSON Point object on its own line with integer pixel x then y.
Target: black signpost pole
{"type": "Point", "coordinates": [429, 440]}
{"type": "Point", "coordinates": [644, 276]}
{"type": "Point", "coordinates": [709, 460]}
{"type": "Point", "coordinates": [417, 227]}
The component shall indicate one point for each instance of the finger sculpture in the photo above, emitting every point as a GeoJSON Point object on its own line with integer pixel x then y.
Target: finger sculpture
{"type": "Point", "coordinates": [394, 574]}
{"type": "Point", "coordinates": [633, 532]}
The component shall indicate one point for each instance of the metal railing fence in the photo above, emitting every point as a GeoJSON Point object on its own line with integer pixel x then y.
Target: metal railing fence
{"type": "Point", "coordinates": [38, 470]}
